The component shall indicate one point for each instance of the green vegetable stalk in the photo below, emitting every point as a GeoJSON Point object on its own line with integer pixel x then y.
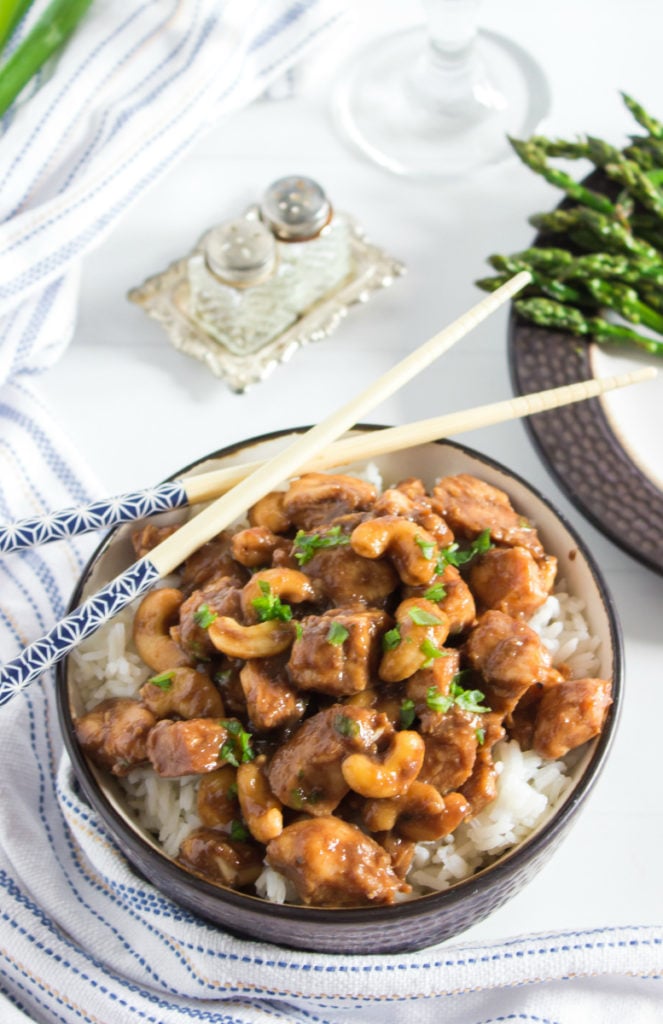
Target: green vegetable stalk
{"type": "Point", "coordinates": [11, 13]}
{"type": "Point", "coordinates": [49, 34]}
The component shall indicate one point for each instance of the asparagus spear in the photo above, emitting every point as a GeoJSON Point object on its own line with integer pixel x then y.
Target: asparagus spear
{"type": "Point", "coordinates": [48, 35]}
{"type": "Point", "coordinates": [654, 127]}
{"type": "Point", "coordinates": [534, 157]}
{"type": "Point", "coordinates": [636, 181]}
{"type": "Point", "coordinates": [584, 225]}
{"type": "Point", "coordinates": [548, 313]}
{"type": "Point", "coordinates": [549, 286]}
{"type": "Point", "coordinates": [563, 265]}
{"type": "Point", "coordinates": [626, 301]}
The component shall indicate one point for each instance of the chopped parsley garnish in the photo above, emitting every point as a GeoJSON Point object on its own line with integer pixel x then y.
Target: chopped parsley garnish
{"type": "Point", "coordinates": [164, 681]}
{"type": "Point", "coordinates": [454, 556]}
{"type": "Point", "coordinates": [299, 630]}
{"type": "Point", "coordinates": [204, 616]}
{"type": "Point", "coordinates": [430, 652]}
{"type": "Point", "coordinates": [435, 592]}
{"type": "Point", "coordinates": [231, 792]}
{"type": "Point", "coordinates": [269, 606]}
{"type": "Point", "coordinates": [346, 726]}
{"type": "Point", "coordinates": [237, 748]}
{"type": "Point", "coordinates": [466, 700]}
{"type": "Point", "coordinates": [222, 677]}
{"type": "Point", "coordinates": [481, 736]}
{"type": "Point", "coordinates": [391, 639]}
{"type": "Point", "coordinates": [407, 713]}
{"type": "Point", "coordinates": [306, 544]}
{"type": "Point", "coordinates": [427, 547]}
{"type": "Point", "coordinates": [238, 831]}
{"type": "Point", "coordinates": [421, 617]}
{"type": "Point", "coordinates": [337, 634]}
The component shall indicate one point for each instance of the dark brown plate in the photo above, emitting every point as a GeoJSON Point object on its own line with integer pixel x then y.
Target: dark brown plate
{"type": "Point", "coordinates": [578, 442]}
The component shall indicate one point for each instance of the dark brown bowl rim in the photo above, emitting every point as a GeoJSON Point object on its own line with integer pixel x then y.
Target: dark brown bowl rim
{"type": "Point", "coordinates": [432, 903]}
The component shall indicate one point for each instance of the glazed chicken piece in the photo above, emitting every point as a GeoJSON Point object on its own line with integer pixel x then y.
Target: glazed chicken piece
{"type": "Point", "coordinates": [348, 579]}
{"type": "Point", "coordinates": [256, 546]}
{"type": "Point", "coordinates": [512, 580]}
{"type": "Point", "coordinates": [407, 501]}
{"type": "Point", "coordinates": [570, 714]}
{"type": "Point", "coordinates": [510, 656]}
{"type": "Point", "coordinates": [114, 734]}
{"type": "Point", "coordinates": [210, 561]}
{"type": "Point", "coordinates": [316, 498]}
{"type": "Point", "coordinates": [305, 772]}
{"type": "Point", "coordinates": [456, 600]}
{"type": "Point", "coordinates": [338, 652]}
{"type": "Point", "coordinates": [400, 850]}
{"type": "Point", "coordinates": [218, 597]}
{"type": "Point", "coordinates": [190, 747]}
{"type": "Point", "coordinates": [221, 859]}
{"type": "Point", "coordinates": [333, 864]}
{"type": "Point", "coordinates": [471, 506]}
{"type": "Point", "coordinates": [184, 693]}
{"type": "Point", "coordinates": [436, 678]}
{"type": "Point", "coordinates": [481, 787]}
{"type": "Point", "coordinates": [452, 741]}
{"type": "Point", "coordinates": [149, 536]}
{"type": "Point", "coordinates": [271, 702]}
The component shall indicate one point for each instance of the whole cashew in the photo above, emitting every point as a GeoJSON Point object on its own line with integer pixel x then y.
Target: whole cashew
{"type": "Point", "coordinates": [392, 774]}
{"type": "Point", "coordinates": [261, 810]}
{"type": "Point", "coordinates": [269, 512]}
{"type": "Point", "coordinates": [421, 814]}
{"type": "Point", "coordinates": [412, 549]}
{"type": "Point", "coordinates": [290, 584]}
{"type": "Point", "coordinates": [255, 546]}
{"type": "Point", "coordinates": [156, 613]}
{"type": "Point", "coordinates": [261, 640]}
{"type": "Point", "coordinates": [416, 643]}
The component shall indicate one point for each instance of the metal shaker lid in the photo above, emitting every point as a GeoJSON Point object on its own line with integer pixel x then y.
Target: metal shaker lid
{"type": "Point", "coordinates": [241, 251]}
{"type": "Point", "coordinates": [295, 208]}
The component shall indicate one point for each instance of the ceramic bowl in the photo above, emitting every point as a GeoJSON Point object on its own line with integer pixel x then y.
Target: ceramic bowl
{"type": "Point", "coordinates": [402, 926]}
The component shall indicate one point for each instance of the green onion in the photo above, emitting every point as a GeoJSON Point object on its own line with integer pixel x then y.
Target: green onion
{"type": "Point", "coordinates": [306, 544]}
{"type": "Point", "coordinates": [391, 639]}
{"type": "Point", "coordinates": [164, 681]}
{"type": "Point", "coordinates": [269, 606]}
{"type": "Point", "coordinates": [238, 832]}
{"type": "Point", "coordinates": [430, 652]}
{"type": "Point", "coordinates": [11, 13]}
{"type": "Point", "coordinates": [435, 592]}
{"type": "Point", "coordinates": [407, 713]}
{"type": "Point", "coordinates": [427, 546]}
{"type": "Point", "coordinates": [421, 617]}
{"type": "Point", "coordinates": [337, 634]}
{"type": "Point", "coordinates": [49, 34]}
{"type": "Point", "coordinates": [454, 556]}
{"type": "Point", "coordinates": [204, 617]}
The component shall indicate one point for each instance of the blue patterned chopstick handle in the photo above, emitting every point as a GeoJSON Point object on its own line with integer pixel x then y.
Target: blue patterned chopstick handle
{"type": "Point", "coordinates": [126, 508]}
{"type": "Point", "coordinates": [69, 632]}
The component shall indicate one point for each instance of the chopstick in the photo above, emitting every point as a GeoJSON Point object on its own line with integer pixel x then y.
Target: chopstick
{"type": "Point", "coordinates": [165, 557]}
{"type": "Point", "coordinates": [206, 486]}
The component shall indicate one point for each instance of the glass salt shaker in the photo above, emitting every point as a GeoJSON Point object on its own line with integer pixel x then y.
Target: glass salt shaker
{"type": "Point", "coordinates": [252, 278]}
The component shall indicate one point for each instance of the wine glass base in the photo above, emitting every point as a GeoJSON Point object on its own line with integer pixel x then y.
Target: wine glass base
{"type": "Point", "coordinates": [380, 109]}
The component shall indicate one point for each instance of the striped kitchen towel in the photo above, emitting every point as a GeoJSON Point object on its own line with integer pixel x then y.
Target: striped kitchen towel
{"type": "Point", "coordinates": [82, 937]}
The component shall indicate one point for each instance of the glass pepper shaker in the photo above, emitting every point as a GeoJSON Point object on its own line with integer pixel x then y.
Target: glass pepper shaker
{"type": "Point", "coordinates": [252, 278]}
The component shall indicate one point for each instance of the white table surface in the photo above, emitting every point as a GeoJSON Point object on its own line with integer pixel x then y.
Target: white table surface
{"type": "Point", "coordinates": [138, 410]}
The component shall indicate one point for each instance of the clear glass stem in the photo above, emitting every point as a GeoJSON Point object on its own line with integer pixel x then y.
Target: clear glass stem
{"type": "Point", "coordinates": [452, 26]}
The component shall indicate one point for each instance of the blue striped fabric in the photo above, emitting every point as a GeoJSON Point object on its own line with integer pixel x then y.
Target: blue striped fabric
{"type": "Point", "coordinates": [82, 938]}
